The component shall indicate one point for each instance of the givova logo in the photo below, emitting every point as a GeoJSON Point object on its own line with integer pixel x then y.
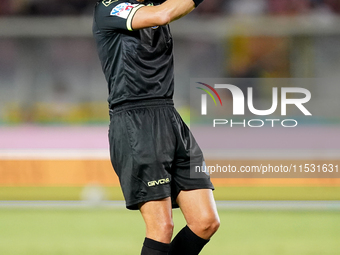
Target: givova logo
{"type": "Point", "coordinates": [239, 104]}
{"type": "Point", "coordinates": [159, 182]}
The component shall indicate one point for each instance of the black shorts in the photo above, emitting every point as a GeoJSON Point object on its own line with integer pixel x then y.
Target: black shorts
{"type": "Point", "coordinates": [152, 151]}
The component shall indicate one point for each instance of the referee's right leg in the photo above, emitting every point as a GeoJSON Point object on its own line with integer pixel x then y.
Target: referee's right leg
{"type": "Point", "coordinates": [157, 216]}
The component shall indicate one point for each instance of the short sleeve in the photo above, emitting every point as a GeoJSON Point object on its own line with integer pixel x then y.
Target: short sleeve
{"type": "Point", "coordinates": [110, 15]}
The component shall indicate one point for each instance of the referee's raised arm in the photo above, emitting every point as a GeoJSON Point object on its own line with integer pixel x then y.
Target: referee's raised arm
{"type": "Point", "coordinates": [163, 14]}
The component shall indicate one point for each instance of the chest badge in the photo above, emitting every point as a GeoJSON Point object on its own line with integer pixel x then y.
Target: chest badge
{"type": "Point", "coordinates": [108, 2]}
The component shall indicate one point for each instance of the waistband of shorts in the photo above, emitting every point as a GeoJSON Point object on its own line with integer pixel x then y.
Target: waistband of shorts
{"type": "Point", "coordinates": [141, 104]}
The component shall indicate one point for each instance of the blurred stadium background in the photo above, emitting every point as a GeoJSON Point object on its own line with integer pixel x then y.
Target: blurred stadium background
{"type": "Point", "coordinates": [54, 118]}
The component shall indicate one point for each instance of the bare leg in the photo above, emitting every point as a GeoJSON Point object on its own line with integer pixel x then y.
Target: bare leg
{"type": "Point", "coordinates": [199, 210]}
{"type": "Point", "coordinates": [157, 216]}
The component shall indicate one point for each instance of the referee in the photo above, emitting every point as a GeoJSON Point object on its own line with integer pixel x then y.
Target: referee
{"type": "Point", "coordinates": [151, 148]}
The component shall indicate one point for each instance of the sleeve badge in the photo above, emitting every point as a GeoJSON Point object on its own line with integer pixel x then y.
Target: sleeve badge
{"type": "Point", "coordinates": [122, 10]}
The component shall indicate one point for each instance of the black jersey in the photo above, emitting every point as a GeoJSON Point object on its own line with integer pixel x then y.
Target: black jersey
{"type": "Point", "coordinates": [137, 64]}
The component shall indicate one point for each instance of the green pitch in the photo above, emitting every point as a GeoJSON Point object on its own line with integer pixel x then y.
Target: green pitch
{"type": "Point", "coordinates": [121, 232]}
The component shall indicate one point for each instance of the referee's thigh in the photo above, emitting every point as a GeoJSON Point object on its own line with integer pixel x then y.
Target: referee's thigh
{"type": "Point", "coordinates": [157, 216]}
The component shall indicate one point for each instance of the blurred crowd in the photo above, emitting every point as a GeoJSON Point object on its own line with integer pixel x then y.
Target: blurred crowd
{"type": "Point", "coordinates": [212, 7]}
{"type": "Point", "coordinates": [46, 7]}
{"type": "Point", "coordinates": [271, 7]}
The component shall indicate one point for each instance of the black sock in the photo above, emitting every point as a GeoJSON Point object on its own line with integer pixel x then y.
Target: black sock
{"type": "Point", "coordinates": [187, 242]}
{"type": "Point", "coordinates": [152, 247]}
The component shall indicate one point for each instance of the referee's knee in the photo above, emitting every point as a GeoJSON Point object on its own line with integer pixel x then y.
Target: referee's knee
{"type": "Point", "coordinates": [167, 228]}
{"type": "Point", "coordinates": [161, 232]}
{"type": "Point", "coordinates": [206, 227]}
{"type": "Point", "coordinates": [210, 225]}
